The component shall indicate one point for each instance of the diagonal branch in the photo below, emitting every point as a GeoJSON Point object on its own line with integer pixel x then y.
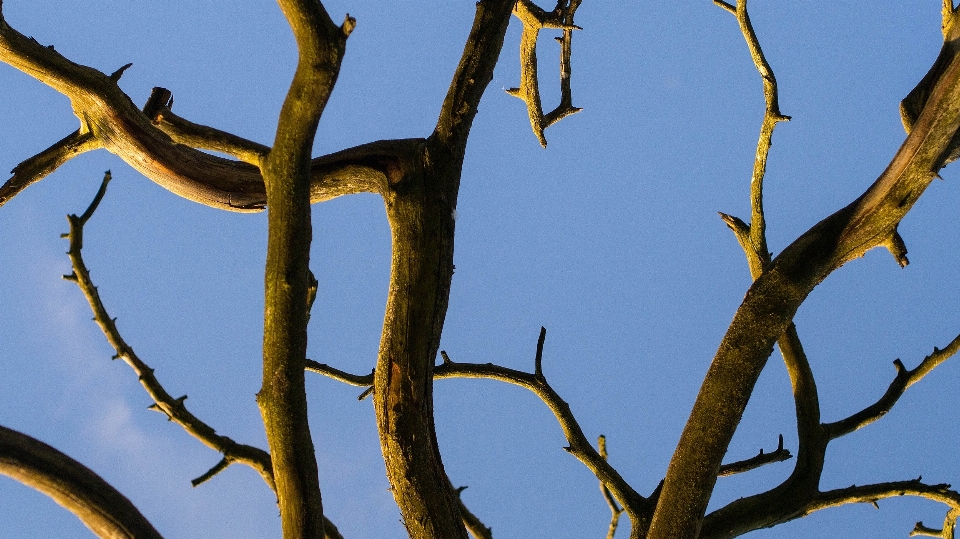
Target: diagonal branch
{"type": "Point", "coordinates": [474, 73]}
{"type": "Point", "coordinates": [473, 524]}
{"type": "Point", "coordinates": [615, 509]}
{"type": "Point", "coordinates": [158, 109]}
{"type": "Point", "coordinates": [44, 163]}
{"type": "Point", "coordinates": [172, 407]}
{"type": "Point", "coordinates": [101, 508]}
{"type": "Point", "coordinates": [903, 380]}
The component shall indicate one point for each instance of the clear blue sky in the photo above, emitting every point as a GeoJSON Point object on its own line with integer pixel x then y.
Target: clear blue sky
{"type": "Point", "coordinates": [610, 238]}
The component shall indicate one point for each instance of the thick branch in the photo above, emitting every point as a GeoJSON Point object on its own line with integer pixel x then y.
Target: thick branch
{"type": "Point", "coordinates": [111, 118]}
{"type": "Point", "coordinates": [773, 299]}
{"type": "Point", "coordinates": [172, 407]}
{"type": "Point", "coordinates": [474, 73]}
{"type": "Point", "coordinates": [286, 172]}
{"type": "Point", "coordinates": [101, 508]}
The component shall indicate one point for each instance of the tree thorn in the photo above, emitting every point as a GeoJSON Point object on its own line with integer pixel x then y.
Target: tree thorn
{"type": "Point", "coordinates": [115, 76]}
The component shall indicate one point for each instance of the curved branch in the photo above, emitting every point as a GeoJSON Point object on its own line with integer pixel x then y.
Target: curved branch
{"type": "Point", "coordinates": [98, 505]}
{"type": "Point", "coordinates": [174, 408]}
{"type": "Point", "coordinates": [579, 446]}
{"type": "Point", "coordinates": [903, 380]}
{"type": "Point", "coordinates": [282, 398]}
{"type": "Point", "coordinates": [111, 118]}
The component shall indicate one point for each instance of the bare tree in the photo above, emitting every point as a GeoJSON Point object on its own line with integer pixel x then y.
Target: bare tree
{"type": "Point", "coordinates": [419, 180]}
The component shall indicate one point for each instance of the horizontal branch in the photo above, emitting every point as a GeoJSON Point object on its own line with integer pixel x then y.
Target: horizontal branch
{"type": "Point", "coordinates": [111, 118]}
{"type": "Point", "coordinates": [872, 493]}
{"type": "Point", "coordinates": [172, 407]}
{"type": "Point", "coordinates": [903, 380]}
{"type": "Point", "coordinates": [340, 376]}
{"type": "Point", "coordinates": [72, 485]}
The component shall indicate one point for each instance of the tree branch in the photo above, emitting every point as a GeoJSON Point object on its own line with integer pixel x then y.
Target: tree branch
{"type": "Point", "coordinates": [903, 380]}
{"type": "Point", "coordinates": [578, 445]}
{"type": "Point", "coordinates": [286, 173]}
{"type": "Point", "coordinates": [615, 509]}
{"type": "Point", "coordinates": [773, 299]}
{"type": "Point", "coordinates": [172, 407]}
{"type": "Point", "coordinates": [475, 71]}
{"type": "Point", "coordinates": [111, 118]}
{"type": "Point", "coordinates": [534, 19]}
{"type": "Point", "coordinates": [158, 109]}
{"type": "Point", "coordinates": [101, 508]}
{"type": "Point", "coordinates": [41, 165]}
{"type": "Point", "coordinates": [473, 524]}
{"type": "Point", "coordinates": [753, 463]}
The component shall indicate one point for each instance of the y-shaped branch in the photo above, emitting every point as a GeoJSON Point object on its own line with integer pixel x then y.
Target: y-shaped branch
{"type": "Point", "coordinates": [534, 19]}
{"type": "Point", "coordinates": [174, 408]}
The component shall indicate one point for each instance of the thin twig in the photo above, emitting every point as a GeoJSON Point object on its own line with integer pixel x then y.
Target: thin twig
{"type": "Point", "coordinates": [615, 510]}
{"type": "Point", "coordinates": [903, 380]}
{"type": "Point", "coordinates": [753, 463]}
{"type": "Point", "coordinates": [173, 408]}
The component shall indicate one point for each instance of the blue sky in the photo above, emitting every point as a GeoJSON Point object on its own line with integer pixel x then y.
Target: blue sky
{"type": "Point", "coordinates": [609, 238]}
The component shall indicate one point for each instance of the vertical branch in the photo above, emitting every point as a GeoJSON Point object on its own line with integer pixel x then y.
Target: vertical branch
{"type": "Point", "coordinates": [771, 118]}
{"type": "Point", "coordinates": [615, 510]}
{"type": "Point", "coordinates": [420, 199]}
{"type": "Point", "coordinates": [286, 173]}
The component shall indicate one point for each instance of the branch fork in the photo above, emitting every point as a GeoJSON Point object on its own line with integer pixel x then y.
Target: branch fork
{"type": "Point", "coordinates": [534, 19]}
